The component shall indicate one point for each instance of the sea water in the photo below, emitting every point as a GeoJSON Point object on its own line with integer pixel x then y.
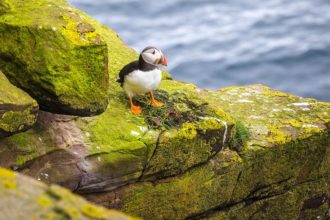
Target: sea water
{"type": "Point", "coordinates": [279, 43]}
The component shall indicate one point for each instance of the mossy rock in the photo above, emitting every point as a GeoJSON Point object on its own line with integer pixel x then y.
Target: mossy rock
{"type": "Point", "coordinates": [309, 200]}
{"type": "Point", "coordinates": [104, 152]}
{"type": "Point", "coordinates": [34, 200]}
{"type": "Point", "coordinates": [18, 111]}
{"type": "Point", "coordinates": [55, 55]}
{"type": "Point", "coordinates": [265, 168]}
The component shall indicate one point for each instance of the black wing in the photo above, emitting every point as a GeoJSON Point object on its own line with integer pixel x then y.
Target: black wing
{"type": "Point", "coordinates": [127, 70]}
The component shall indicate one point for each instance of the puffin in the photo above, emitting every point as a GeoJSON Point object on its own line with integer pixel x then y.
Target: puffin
{"type": "Point", "coordinates": [143, 76]}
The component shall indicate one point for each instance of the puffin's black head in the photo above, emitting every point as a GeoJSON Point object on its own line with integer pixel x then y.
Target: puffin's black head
{"type": "Point", "coordinates": [154, 56]}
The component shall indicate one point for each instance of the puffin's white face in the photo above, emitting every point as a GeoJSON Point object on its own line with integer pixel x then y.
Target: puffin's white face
{"type": "Point", "coordinates": [154, 56]}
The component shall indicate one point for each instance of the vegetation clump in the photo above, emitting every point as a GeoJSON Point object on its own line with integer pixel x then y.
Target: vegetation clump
{"type": "Point", "coordinates": [172, 115]}
{"type": "Point", "coordinates": [242, 134]}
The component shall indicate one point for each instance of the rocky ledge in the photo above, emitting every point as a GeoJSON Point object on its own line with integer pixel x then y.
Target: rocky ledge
{"type": "Point", "coordinates": [55, 55]}
{"type": "Point", "coordinates": [246, 152]}
{"type": "Point", "coordinates": [18, 111]}
{"type": "Point", "coordinates": [25, 198]}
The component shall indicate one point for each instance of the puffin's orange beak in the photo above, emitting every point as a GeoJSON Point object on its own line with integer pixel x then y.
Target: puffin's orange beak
{"type": "Point", "coordinates": [164, 61]}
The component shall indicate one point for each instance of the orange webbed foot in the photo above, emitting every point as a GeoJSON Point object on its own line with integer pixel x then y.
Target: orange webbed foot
{"type": "Point", "coordinates": [136, 110]}
{"type": "Point", "coordinates": [155, 103]}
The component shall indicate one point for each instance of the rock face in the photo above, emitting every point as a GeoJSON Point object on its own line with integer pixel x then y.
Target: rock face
{"type": "Point", "coordinates": [55, 55]}
{"type": "Point", "coordinates": [18, 111]}
{"type": "Point", "coordinates": [25, 198]}
{"type": "Point", "coordinates": [95, 154]}
{"type": "Point", "coordinates": [281, 171]}
{"type": "Point", "coordinates": [238, 153]}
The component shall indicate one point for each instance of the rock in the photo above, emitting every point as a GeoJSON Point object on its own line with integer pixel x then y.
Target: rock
{"type": "Point", "coordinates": [25, 198]}
{"type": "Point", "coordinates": [55, 54]}
{"type": "Point", "coordinates": [94, 154]}
{"type": "Point", "coordinates": [282, 165]}
{"type": "Point", "coordinates": [18, 111]}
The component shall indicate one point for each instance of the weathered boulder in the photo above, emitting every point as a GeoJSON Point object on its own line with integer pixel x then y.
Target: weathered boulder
{"type": "Point", "coordinates": [18, 111]}
{"type": "Point", "coordinates": [55, 55]}
{"type": "Point", "coordinates": [24, 198]}
{"type": "Point", "coordinates": [104, 152]}
{"type": "Point", "coordinates": [277, 166]}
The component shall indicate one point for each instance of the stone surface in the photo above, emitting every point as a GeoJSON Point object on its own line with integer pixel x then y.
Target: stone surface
{"type": "Point", "coordinates": [24, 198]}
{"type": "Point", "coordinates": [18, 111]}
{"type": "Point", "coordinates": [55, 54]}
{"type": "Point", "coordinates": [94, 154]}
{"type": "Point", "coordinates": [282, 165]}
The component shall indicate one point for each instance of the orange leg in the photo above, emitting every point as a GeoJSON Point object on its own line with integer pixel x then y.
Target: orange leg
{"type": "Point", "coordinates": [154, 102]}
{"type": "Point", "coordinates": [136, 110]}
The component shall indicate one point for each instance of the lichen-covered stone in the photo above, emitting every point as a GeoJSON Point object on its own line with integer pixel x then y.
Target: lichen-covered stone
{"type": "Point", "coordinates": [308, 200]}
{"type": "Point", "coordinates": [54, 54]}
{"type": "Point", "coordinates": [265, 167]}
{"type": "Point", "coordinates": [18, 111]}
{"type": "Point", "coordinates": [104, 152]}
{"type": "Point", "coordinates": [24, 198]}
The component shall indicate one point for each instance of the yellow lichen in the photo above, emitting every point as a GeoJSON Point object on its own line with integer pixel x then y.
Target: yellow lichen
{"type": "Point", "coordinates": [293, 122]}
{"type": "Point", "coordinates": [92, 36]}
{"type": "Point", "coordinates": [209, 123]}
{"type": "Point", "coordinates": [70, 30]}
{"type": "Point", "coordinates": [276, 136]}
{"type": "Point", "coordinates": [8, 179]}
{"type": "Point", "coordinates": [223, 115]}
{"type": "Point", "coordinates": [187, 131]}
{"type": "Point", "coordinates": [44, 201]}
{"type": "Point", "coordinates": [93, 211]}
{"type": "Point", "coordinates": [73, 212]}
{"type": "Point", "coordinates": [308, 131]}
{"type": "Point", "coordinates": [274, 93]}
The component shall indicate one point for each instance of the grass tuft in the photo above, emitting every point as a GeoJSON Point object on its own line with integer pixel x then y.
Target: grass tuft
{"type": "Point", "coordinates": [242, 134]}
{"type": "Point", "coordinates": [167, 116]}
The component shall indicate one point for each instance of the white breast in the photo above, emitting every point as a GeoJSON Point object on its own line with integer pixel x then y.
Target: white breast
{"type": "Point", "coordinates": [139, 82]}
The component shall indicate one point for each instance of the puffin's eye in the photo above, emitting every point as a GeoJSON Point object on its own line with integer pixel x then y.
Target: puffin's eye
{"type": "Point", "coordinates": [154, 52]}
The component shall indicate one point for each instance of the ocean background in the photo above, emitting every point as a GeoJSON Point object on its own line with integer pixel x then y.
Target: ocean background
{"type": "Point", "coordinates": [279, 43]}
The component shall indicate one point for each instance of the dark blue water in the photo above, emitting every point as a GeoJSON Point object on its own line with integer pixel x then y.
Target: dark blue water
{"type": "Point", "coordinates": [283, 44]}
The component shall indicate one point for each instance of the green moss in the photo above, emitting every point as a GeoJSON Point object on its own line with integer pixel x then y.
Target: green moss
{"type": "Point", "coordinates": [180, 149]}
{"type": "Point", "coordinates": [185, 194]}
{"type": "Point", "coordinates": [55, 62]}
{"type": "Point", "coordinates": [12, 121]}
{"type": "Point", "coordinates": [306, 201]}
{"type": "Point", "coordinates": [29, 145]}
{"type": "Point", "coordinates": [19, 110]}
